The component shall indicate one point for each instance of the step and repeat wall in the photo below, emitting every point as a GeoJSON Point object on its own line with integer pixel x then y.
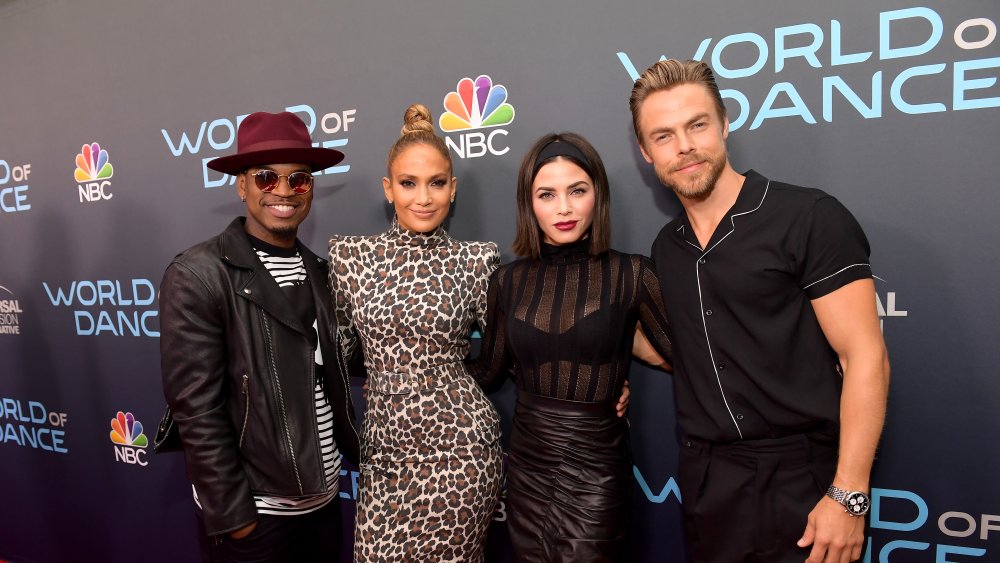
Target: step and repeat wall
{"type": "Point", "coordinates": [110, 109]}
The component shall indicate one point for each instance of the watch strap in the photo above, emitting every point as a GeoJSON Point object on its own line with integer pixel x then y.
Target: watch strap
{"type": "Point", "coordinates": [837, 494]}
{"type": "Point", "coordinates": [840, 496]}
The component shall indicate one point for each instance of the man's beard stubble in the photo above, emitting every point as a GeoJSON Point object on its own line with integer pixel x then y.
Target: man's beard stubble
{"type": "Point", "coordinates": [702, 186]}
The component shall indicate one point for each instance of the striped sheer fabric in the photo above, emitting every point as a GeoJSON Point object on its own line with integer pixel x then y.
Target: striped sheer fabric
{"type": "Point", "coordinates": [564, 323]}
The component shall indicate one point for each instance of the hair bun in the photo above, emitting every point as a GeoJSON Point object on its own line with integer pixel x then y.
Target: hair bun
{"type": "Point", "coordinates": [417, 118]}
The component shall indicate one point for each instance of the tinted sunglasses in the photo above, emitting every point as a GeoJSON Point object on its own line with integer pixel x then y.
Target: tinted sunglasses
{"type": "Point", "coordinates": [267, 180]}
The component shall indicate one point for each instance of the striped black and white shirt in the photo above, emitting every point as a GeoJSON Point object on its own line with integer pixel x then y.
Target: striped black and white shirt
{"type": "Point", "coordinates": [290, 272]}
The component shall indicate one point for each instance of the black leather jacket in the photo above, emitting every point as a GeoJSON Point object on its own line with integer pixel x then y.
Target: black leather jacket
{"type": "Point", "coordinates": [239, 375]}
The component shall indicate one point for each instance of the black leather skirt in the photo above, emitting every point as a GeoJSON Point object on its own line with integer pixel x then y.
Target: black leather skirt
{"type": "Point", "coordinates": [568, 481]}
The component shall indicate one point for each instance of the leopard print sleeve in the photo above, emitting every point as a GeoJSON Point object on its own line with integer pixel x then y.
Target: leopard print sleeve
{"type": "Point", "coordinates": [340, 260]}
{"type": "Point", "coordinates": [484, 269]}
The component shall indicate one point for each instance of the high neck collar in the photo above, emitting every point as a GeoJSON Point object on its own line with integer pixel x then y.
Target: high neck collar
{"type": "Point", "coordinates": [406, 237]}
{"type": "Point", "coordinates": [577, 251]}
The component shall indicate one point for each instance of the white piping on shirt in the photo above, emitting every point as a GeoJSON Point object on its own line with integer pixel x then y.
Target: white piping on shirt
{"type": "Point", "coordinates": [833, 274]}
{"type": "Point", "coordinates": [701, 304]}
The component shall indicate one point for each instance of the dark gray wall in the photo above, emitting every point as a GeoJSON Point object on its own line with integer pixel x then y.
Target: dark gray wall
{"type": "Point", "coordinates": [135, 77]}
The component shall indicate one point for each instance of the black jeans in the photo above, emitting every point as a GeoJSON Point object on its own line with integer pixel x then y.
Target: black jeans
{"type": "Point", "coordinates": [279, 539]}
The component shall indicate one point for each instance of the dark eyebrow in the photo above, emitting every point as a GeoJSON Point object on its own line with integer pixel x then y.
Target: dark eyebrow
{"type": "Point", "coordinates": [696, 118]}
{"type": "Point", "coordinates": [569, 187]}
{"type": "Point", "coordinates": [415, 177]}
{"type": "Point", "coordinates": [654, 132]}
{"type": "Point", "coordinates": [303, 168]}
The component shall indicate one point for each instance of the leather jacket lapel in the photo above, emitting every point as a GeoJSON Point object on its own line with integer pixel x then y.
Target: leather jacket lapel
{"type": "Point", "coordinates": [254, 282]}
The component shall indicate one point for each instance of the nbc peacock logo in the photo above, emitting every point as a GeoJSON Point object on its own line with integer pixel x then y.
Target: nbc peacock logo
{"type": "Point", "coordinates": [130, 442]}
{"type": "Point", "coordinates": [476, 104]}
{"type": "Point", "coordinates": [93, 172]}
{"type": "Point", "coordinates": [92, 164]}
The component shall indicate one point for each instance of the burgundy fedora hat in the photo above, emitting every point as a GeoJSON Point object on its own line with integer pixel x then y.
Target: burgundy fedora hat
{"type": "Point", "coordinates": [274, 138]}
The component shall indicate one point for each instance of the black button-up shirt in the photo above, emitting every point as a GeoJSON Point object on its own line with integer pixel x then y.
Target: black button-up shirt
{"type": "Point", "coordinates": [750, 358]}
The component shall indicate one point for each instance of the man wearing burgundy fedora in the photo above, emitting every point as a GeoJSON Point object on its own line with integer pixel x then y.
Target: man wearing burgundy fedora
{"type": "Point", "coordinates": [251, 370]}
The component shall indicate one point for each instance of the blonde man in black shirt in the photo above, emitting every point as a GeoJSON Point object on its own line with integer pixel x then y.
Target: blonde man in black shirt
{"type": "Point", "coordinates": [781, 372]}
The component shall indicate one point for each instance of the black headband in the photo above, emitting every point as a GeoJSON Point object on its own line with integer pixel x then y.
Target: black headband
{"type": "Point", "coordinates": [562, 148]}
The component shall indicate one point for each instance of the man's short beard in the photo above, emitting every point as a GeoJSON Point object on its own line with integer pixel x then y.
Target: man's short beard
{"type": "Point", "coordinates": [701, 190]}
{"type": "Point", "coordinates": [285, 231]}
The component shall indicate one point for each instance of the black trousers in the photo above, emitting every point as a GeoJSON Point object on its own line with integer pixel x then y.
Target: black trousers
{"type": "Point", "coordinates": [312, 537]}
{"type": "Point", "coordinates": [748, 501]}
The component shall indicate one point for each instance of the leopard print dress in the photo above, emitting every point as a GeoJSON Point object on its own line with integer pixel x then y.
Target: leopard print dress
{"type": "Point", "coordinates": [431, 458]}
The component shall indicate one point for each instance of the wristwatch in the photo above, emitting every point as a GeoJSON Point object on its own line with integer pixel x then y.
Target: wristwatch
{"type": "Point", "coordinates": [855, 503]}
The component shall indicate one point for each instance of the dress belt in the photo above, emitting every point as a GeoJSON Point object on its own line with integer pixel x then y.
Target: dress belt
{"type": "Point", "coordinates": [565, 406]}
{"type": "Point", "coordinates": [404, 383]}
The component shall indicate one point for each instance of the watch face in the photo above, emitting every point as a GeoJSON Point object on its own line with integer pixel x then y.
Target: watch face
{"type": "Point", "coordinates": [857, 503]}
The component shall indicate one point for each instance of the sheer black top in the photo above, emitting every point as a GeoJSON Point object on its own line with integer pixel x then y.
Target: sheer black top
{"type": "Point", "coordinates": [563, 324]}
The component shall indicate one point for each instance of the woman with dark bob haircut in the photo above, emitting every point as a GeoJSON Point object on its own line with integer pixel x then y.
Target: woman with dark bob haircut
{"type": "Point", "coordinates": [563, 319]}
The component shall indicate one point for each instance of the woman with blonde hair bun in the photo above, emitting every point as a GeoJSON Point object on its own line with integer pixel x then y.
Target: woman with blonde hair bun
{"type": "Point", "coordinates": [430, 448]}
